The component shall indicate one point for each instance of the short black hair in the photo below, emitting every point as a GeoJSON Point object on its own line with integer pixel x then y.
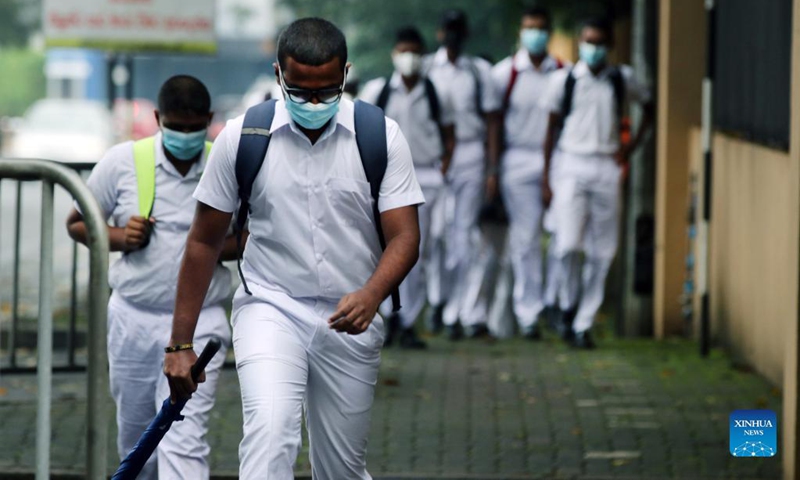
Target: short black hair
{"type": "Point", "coordinates": [312, 41]}
{"type": "Point", "coordinates": [602, 24]}
{"type": "Point", "coordinates": [540, 12]}
{"type": "Point", "coordinates": [184, 94]}
{"type": "Point", "coordinates": [454, 20]}
{"type": "Point", "coordinates": [409, 34]}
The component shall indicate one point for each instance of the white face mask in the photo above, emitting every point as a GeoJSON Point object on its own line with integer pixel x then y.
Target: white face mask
{"type": "Point", "coordinates": [407, 64]}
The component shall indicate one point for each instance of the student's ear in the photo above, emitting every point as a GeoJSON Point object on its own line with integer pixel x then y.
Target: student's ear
{"type": "Point", "coordinates": [210, 117]}
{"type": "Point", "coordinates": [158, 118]}
{"type": "Point", "coordinates": [275, 68]}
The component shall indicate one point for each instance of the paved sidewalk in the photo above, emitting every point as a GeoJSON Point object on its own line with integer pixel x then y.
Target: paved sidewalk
{"type": "Point", "coordinates": [633, 409]}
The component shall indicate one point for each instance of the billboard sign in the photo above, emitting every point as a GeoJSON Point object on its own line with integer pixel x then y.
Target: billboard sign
{"type": "Point", "coordinates": [131, 25]}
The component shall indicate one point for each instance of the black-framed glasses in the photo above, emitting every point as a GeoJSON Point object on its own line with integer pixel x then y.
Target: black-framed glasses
{"type": "Point", "coordinates": [303, 95]}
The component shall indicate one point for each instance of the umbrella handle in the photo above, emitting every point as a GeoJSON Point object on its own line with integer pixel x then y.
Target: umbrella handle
{"type": "Point", "coordinates": [212, 347]}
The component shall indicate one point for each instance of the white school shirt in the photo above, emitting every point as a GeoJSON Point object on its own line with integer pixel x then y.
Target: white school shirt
{"type": "Point", "coordinates": [458, 82]}
{"type": "Point", "coordinates": [411, 110]}
{"type": "Point", "coordinates": [312, 231]}
{"type": "Point", "coordinates": [149, 276]}
{"type": "Point", "coordinates": [592, 127]}
{"type": "Point", "coordinates": [525, 124]}
{"type": "Point", "coordinates": [525, 120]}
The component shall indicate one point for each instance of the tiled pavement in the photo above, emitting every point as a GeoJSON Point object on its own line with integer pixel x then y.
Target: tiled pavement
{"type": "Point", "coordinates": [634, 409]}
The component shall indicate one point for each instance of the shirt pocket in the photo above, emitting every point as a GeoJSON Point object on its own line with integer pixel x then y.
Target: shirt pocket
{"type": "Point", "coordinates": [350, 200]}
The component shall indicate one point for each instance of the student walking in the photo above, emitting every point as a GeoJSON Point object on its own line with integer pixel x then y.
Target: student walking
{"type": "Point", "coordinates": [146, 188]}
{"type": "Point", "coordinates": [468, 82]}
{"type": "Point", "coordinates": [520, 80]}
{"type": "Point", "coordinates": [425, 117]}
{"type": "Point", "coordinates": [319, 174]}
{"type": "Point", "coordinates": [587, 103]}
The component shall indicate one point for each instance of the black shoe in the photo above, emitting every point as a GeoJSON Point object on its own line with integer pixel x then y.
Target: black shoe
{"type": "Point", "coordinates": [478, 331]}
{"type": "Point", "coordinates": [392, 327]}
{"type": "Point", "coordinates": [550, 317]}
{"type": "Point", "coordinates": [533, 333]}
{"type": "Point", "coordinates": [454, 332]}
{"type": "Point", "coordinates": [410, 341]}
{"type": "Point", "coordinates": [434, 318]}
{"type": "Point", "coordinates": [583, 340]}
{"type": "Point", "coordinates": [565, 324]}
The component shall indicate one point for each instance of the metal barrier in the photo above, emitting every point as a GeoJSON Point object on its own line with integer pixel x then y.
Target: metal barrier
{"type": "Point", "coordinates": [13, 342]}
{"type": "Point", "coordinates": [51, 173]}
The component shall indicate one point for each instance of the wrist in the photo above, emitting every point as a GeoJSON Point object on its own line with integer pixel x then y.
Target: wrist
{"type": "Point", "coordinates": [178, 347]}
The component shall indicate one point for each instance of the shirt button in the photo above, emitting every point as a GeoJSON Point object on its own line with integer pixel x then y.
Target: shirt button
{"type": "Point", "coordinates": [319, 257]}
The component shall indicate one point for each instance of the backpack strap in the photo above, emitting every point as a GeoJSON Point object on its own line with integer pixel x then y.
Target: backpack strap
{"type": "Point", "coordinates": [569, 90]}
{"type": "Point", "coordinates": [433, 101]}
{"type": "Point", "coordinates": [144, 159]}
{"type": "Point", "coordinates": [370, 127]}
{"type": "Point", "coordinates": [383, 98]}
{"type": "Point", "coordinates": [476, 74]}
{"type": "Point", "coordinates": [511, 81]}
{"type": "Point", "coordinates": [618, 83]}
{"type": "Point", "coordinates": [253, 144]}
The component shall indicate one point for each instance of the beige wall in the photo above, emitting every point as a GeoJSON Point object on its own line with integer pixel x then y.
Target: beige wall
{"type": "Point", "coordinates": [680, 66]}
{"type": "Point", "coordinates": [753, 252]}
{"type": "Point", "coordinates": [791, 408]}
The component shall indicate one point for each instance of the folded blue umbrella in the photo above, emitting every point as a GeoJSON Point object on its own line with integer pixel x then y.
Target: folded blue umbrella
{"type": "Point", "coordinates": [170, 412]}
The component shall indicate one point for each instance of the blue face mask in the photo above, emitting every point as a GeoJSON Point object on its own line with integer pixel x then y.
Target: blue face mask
{"type": "Point", "coordinates": [310, 116]}
{"type": "Point", "coordinates": [307, 114]}
{"type": "Point", "coordinates": [593, 55]}
{"type": "Point", "coordinates": [183, 146]}
{"type": "Point", "coordinates": [534, 40]}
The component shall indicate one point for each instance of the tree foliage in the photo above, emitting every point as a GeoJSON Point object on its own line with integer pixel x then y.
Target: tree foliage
{"type": "Point", "coordinates": [370, 25]}
{"type": "Point", "coordinates": [18, 18]}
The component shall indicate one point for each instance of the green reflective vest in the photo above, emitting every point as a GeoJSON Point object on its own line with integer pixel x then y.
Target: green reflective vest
{"type": "Point", "coordinates": [144, 158]}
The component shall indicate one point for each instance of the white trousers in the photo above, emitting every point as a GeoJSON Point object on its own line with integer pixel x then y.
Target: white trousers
{"type": "Point", "coordinates": [522, 199]}
{"type": "Point", "coordinates": [460, 289]}
{"type": "Point", "coordinates": [586, 200]}
{"type": "Point", "coordinates": [136, 340]}
{"type": "Point", "coordinates": [288, 361]}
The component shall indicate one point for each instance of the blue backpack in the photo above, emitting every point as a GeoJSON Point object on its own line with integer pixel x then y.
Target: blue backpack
{"type": "Point", "coordinates": [370, 127]}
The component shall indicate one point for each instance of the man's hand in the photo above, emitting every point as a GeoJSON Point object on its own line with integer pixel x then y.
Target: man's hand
{"type": "Point", "coordinates": [137, 232]}
{"type": "Point", "coordinates": [355, 312]}
{"type": "Point", "coordinates": [491, 187]}
{"type": "Point", "coordinates": [622, 155]}
{"type": "Point", "coordinates": [547, 193]}
{"type": "Point", "coordinates": [178, 369]}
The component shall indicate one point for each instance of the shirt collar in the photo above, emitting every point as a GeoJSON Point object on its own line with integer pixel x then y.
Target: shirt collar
{"type": "Point", "coordinates": [396, 83]}
{"type": "Point", "coordinates": [582, 69]}
{"type": "Point", "coordinates": [440, 58]}
{"type": "Point", "coordinates": [522, 62]}
{"type": "Point", "coordinates": [343, 117]}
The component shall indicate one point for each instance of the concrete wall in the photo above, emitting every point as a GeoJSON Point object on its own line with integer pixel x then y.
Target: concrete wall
{"type": "Point", "coordinates": [753, 253]}
{"type": "Point", "coordinates": [681, 58]}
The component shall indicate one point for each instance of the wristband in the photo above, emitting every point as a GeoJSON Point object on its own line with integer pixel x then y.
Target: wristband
{"type": "Point", "coordinates": [179, 347]}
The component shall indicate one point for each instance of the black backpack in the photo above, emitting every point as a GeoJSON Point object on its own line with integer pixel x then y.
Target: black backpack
{"type": "Point", "coordinates": [370, 127]}
{"type": "Point", "coordinates": [617, 82]}
{"type": "Point", "coordinates": [430, 94]}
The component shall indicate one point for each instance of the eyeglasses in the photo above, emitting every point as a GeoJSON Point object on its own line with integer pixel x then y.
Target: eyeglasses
{"type": "Point", "coordinates": [302, 95]}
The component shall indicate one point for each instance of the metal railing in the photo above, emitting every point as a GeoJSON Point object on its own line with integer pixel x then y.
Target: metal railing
{"type": "Point", "coordinates": [13, 342]}
{"type": "Point", "coordinates": [50, 173]}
